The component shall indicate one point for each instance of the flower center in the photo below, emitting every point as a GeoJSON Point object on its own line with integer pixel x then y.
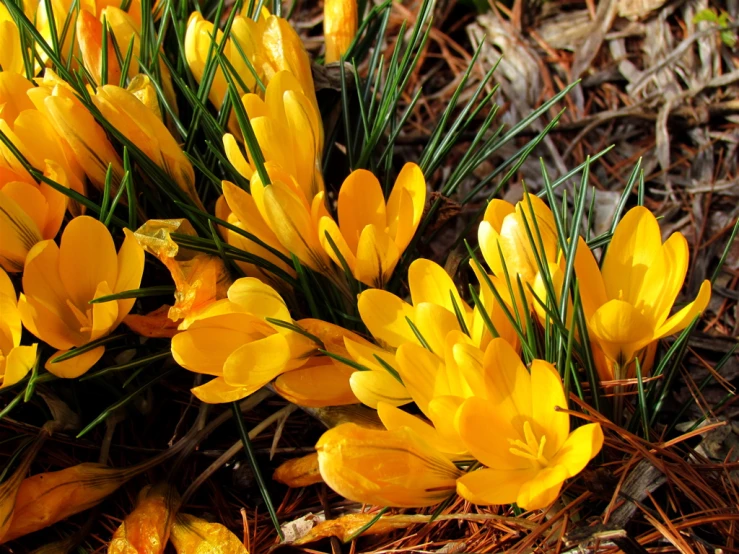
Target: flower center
{"type": "Point", "coordinates": [83, 318]}
{"type": "Point", "coordinates": [532, 449]}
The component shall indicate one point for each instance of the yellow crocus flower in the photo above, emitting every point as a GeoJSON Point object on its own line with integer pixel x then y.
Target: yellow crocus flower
{"type": "Point", "coordinates": [513, 427]}
{"type": "Point", "coordinates": [627, 303]}
{"type": "Point", "coordinates": [15, 360]}
{"type": "Point", "coordinates": [432, 312]}
{"type": "Point", "coordinates": [386, 468]}
{"type": "Point", "coordinates": [339, 27]}
{"type": "Point", "coordinates": [143, 128]}
{"type": "Point", "coordinates": [233, 340]}
{"type": "Point", "coordinates": [60, 281]}
{"type": "Point", "coordinates": [29, 213]}
{"type": "Point", "coordinates": [504, 229]}
{"type": "Point", "coordinates": [289, 130]}
{"type": "Point", "coordinates": [77, 128]}
{"type": "Point", "coordinates": [372, 234]}
{"type": "Point", "coordinates": [237, 207]}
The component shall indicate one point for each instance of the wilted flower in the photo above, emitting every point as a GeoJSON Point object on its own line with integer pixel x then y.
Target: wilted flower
{"type": "Point", "coordinates": [146, 529]}
{"type": "Point", "coordinates": [10, 486]}
{"type": "Point", "coordinates": [299, 472]}
{"type": "Point", "coordinates": [200, 279]}
{"type": "Point", "coordinates": [372, 234]}
{"type": "Point", "coordinates": [15, 360]}
{"type": "Point", "coordinates": [59, 282]}
{"type": "Point", "coordinates": [388, 468]}
{"type": "Point", "coordinates": [192, 535]}
{"type": "Point", "coordinates": [512, 426]}
{"type": "Point", "coordinates": [627, 303]}
{"type": "Point", "coordinates": [339, 27]}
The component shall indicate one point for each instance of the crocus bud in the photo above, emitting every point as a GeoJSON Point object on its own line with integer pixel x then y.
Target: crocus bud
{"type": "Point", "coordinates": [387, 468]}
{"type": "Point", "coordinates": [339, 27]}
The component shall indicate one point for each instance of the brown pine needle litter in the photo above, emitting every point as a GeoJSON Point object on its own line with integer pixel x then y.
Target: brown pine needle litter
{"type": "Point", "coordinates": [659, 82]}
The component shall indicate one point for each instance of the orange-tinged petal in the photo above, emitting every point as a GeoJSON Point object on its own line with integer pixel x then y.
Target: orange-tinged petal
{"type": "Point", "coordinates": [299, 472]}
{"type": "Point", "coordinates": [130, 271]}
{"type": "Point", "coordinates": [621, 330]}
{"type": "Point", "coordinates": [360, 203]}
{"type": "Point", "coordinates": [387, 468]}
{"type": "Point", "coordinates": [405, 205]}
{"type": "Point", "coordinates": [635, 245]}
{"type": "Point", "coordinates": [90, 40]}
{"type": "Point", "coordinates": [377, 256]}
{"type": "Point", "coordinates": [74, 367]}
{"type": "Point", "coordinates": [486, 431]}
{"type": "Point", "coordinates": [18, 362]}
{"type": "Point", "coordinates": [339, 27]}
{"type": "Point", "coordinates": [385, 315]}
{"type": "Point", "coordinates": [13, 97]}
{"type": "Point", "coordinates": [325, 384]}
{"type": "Point", "coordinates": [87, 258]}
{"type": "Point", "coordinates": [217, 391]}
{"type": "Point", "coordinates": [547, 395]}
{"type": "Point", "coordinates": [543, 489]}
{"type": "Point", "coordinates": [104, 314]}
{"type": "Point", "coordinates": [373, 387]}
{"type": "Point", "coordinates": [48, 325]}
{"type": "Point", "coordinates": [682, 319]}
{"type": "Point", "coordinates": [493, 486]}
{"type": "Point", "coordinates": [581, 446]}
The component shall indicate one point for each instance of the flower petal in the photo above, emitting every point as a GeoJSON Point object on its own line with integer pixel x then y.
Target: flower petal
{"type": "Point", "coordinates": [324, 384]}
{"type": "Point", "coordinates": [373, 387]}
{"type": "Point", "coordinates": [581, 446]}
{"type": "Point", "coordinates": [87, 258]}
{"type": "Point", "coordinates": [18, 362]}
{"type": "Point", "coordinates": [592, 288]}
{"type": "Point", "coordinates": [385, 315]}
{"type": "Point", "coordinates": [360, 203]}
{"type": "Point", "coordinates": [621, 330]}
{"type": "Point", "coordinates": [74, 367]}
{"type": "Point", "coordinates": [217, 391]}
{"type": "Point", "coordinates": [406, 203]}
{"type": "Point", "coordinates": [258, 299]}
{"type": "Point", "coordinates": [377, 257]}
{"type": "Point", "coordinates": [508, 382]}
{"type": "Point", "coordinates": [130, 271]}
{"type": "Point", "coordinates": [548, 394]}
{"type": "Point", "coordinates": [394, 418]}
{"type": "Point", "coordinates": [493, 486]}
{"type": "Point", "coordinates": [429, 282]}
{"type": "Point", "coordinates": [635, 245]}
{"type": "Point", "coordinates": [256, 363]}
{"type": "Point", "coordinates": [486, 432]}
{"type": "Point", "coordinates": [423, 373]}
{"type": "Point", "coordinates": [682, 319]}
{"type": "Point", "coordinates": [543, 489]}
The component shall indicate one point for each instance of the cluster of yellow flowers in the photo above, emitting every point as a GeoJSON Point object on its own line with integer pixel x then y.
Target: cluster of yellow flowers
{"type": "Point", "coordinates": [481, 406]}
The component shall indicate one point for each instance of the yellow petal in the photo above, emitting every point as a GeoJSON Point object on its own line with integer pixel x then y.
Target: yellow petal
{"type": "Point", "coordinates": [581, 446]}
{"type": "Point", "coordinates": [299, 472]}
{"type": "Point", "coordinates": [387, 468]}
{"type": "Point", "coordinates": [373, 387]}
{"type": "Point", "coordinates": [18, 362]}
{"type": "Point", "coordinates": [324, 384]}
{"type": "Point", "coordinates": [377, 256]}
{"type": "Point", "coordinates": [365, 353]}
{"type": "Point", "coordinates": [339, 27]}
{"type": "Point", "coordinates": [90, 40]}
{"type": "Point", "coordinates": [682, 319]}
{"type": "Point", "coordinates": [360, 203]}
{"type": "Point", "coordinates": [87, 258]}
{"type": "Point", "coordinates": [434, 323]}
{"type": "Point", "coordinates": [327, 226]}
{"type": "Point", "coordinates": [234, 155]}
{"type": "Point", "coordinates": [74, 367]}
{"type": "Point", "coordinates": [429, 282]}
{"type": "Point", "coordinates": [405, 205]}
{"type": "Point", "coordinates": [592, 288]}
{"type": "Point", "coordinates": [130, 271]}
{"type": "Point", "coordinates": [19, 232]}
{"type": "Point", "coordinates": [664, 279]}
{"type": "Point", "coordinates": [256, 363]}
{"type": "Point", "coordinates": [13, 97]}
{"type": "Point", "coordinates": [543, 489]}
{"type": "Point", "coordinates": [258, 299]}
{"type": "Point", "coordinates": [442, 412]}
{"type": "Point", "coordinates": [620, 330]}
{"type": "Point", "coordinates": [303, 125]}
{"type": "Point", "coordinates": [486, 431]}
{"type": "Point", "coordinates": [385, 315]}
{"type": "Point", "coordinates": [488, 233]}
{"type": "Point", "coordinates": [423, 373]}
{"type": "Point", "coordinates": [48, 325]}
{"type": "Point", "coordinates": [191, 535]}
{"type": "Point", "coordinates": [393, 418]}
{"type": "Point", "coordinates": [547, 395]}
{"type": "Point", "coordinates": [217, 391]}
{"type": "Point", "coordinates": [507, 380]}
{"type": "Point", "coordinates": [104, 314]}
{"type": "Point", "coordinates": [493, 486]}
{"type": "Point", "coordinates": [635, 245]}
